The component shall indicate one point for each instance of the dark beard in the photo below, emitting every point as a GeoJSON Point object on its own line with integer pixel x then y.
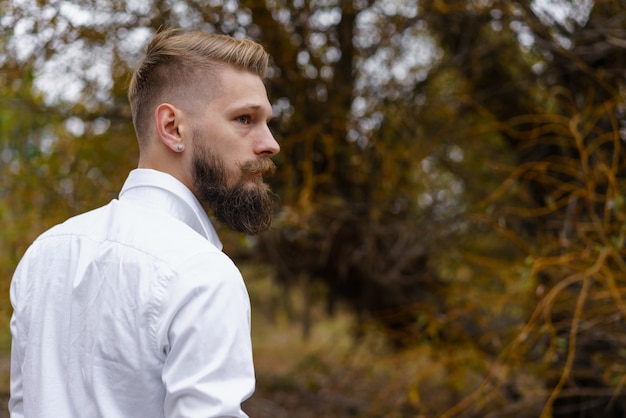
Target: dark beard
{"type": "Point", "coordinates": [243, 207]}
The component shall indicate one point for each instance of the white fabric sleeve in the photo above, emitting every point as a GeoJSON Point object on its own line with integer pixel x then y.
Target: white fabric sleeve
{"type": "Point", "coordinates": [16, 400]}
{"type": "Point", "coordinates": [204, 336]}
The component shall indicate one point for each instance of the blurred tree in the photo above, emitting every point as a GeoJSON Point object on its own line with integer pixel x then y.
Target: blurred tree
{"type": "Point", "coordinates": [64, 137]}
{"type": "Point", "coordinates": [552, 87]}
{"type": "Point", "coordinates": [351, 173]}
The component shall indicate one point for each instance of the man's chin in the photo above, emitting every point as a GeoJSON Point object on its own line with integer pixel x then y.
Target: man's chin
{"type": "Point", "coordinates": [256, 183]}
{"type": "Point", "coordinates": [248, 211]}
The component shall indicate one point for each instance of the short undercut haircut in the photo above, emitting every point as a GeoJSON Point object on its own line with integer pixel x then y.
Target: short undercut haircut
{"type": "Point", "coordinates": [178, 63]}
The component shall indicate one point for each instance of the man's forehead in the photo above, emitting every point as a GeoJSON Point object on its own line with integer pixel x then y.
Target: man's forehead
{"type": "Point", "coordinates": [243, 90]}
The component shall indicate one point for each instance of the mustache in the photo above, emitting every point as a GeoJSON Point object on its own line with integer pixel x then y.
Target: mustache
{"type": "Point", "coordinates": [263, 166]}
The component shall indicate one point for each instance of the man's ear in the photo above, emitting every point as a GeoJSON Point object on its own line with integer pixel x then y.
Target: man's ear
{"type": "Point", "coordinates": [168, 119]}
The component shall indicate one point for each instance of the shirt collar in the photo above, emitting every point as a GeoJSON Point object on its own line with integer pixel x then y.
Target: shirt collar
{"type": "Point", "coordinates": [163, 192]}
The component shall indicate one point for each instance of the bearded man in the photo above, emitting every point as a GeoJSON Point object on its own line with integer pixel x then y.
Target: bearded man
{"type": "Point", "coordinates": [132, 309]}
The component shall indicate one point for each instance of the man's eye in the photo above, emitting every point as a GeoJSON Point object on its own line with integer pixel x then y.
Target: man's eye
{"type": "Point", "coordinates": [245, 119]}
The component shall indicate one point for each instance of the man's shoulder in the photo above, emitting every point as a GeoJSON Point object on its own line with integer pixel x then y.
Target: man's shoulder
{"type": "Point", "coordinates": [73, 225]}
{"type": "Point", "coordinates": [131, 227]}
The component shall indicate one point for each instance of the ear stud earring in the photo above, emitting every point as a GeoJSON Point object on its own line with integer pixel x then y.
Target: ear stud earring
{"type": "Point", "coordinates": [180, 147]}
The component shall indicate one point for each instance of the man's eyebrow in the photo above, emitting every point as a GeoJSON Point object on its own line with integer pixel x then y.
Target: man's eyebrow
{"type": "Point", "coordinates": [250, 107]}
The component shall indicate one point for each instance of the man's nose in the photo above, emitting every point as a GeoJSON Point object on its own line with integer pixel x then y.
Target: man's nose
{"type": "Point", "coordinates": [267, 144]}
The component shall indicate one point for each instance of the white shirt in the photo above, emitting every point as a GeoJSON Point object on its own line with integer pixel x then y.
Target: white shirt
{"type": "Point", "coordinates": [131, 310]}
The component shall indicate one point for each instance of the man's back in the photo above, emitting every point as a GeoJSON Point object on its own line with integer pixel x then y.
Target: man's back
{"type": "Point", "coordinates": [104, 303]}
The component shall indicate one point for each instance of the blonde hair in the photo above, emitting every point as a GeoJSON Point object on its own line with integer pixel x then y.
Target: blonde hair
{"type": "Point", "coordinates": [175, 61]}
